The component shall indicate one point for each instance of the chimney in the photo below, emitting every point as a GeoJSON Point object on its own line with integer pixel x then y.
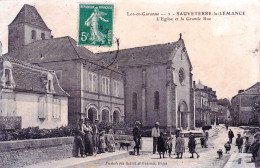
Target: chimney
{"type": "Point", "coordinates": [240, 91]}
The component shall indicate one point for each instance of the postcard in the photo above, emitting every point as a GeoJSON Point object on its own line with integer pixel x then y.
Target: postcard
{"type": "Point", "coordinates": [138, 83]}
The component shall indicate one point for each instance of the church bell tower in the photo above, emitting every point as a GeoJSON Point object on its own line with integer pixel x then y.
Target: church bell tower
{"type": "Point", "coordinates": [27, 27]}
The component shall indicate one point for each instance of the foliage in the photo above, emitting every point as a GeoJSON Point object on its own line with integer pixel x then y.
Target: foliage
{"type": "Point", "coordinates": [224, 102]}
{"type": "Point", "coordinates": [35, 133]}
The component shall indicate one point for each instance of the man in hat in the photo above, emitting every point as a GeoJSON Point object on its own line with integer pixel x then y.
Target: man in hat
{"type": "Point", "coordinates": [155, 135]}
{"type": "Point", "coordinates": [230, 135]}
{"type": "Point", "coordinates": [137, 136]}
{"type": "Point", "coordinates": [95, 136]}
{"type": "Point", "coordinates": [79, 137]}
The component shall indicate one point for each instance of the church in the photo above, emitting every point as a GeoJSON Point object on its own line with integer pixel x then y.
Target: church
{"type": "Point", "coordinates": [96, 90]}
{"type": "Point", "coordinates": [158, 84]}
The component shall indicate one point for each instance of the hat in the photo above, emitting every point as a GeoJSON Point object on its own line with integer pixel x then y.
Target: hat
{"type": "Point", "coordinates": [137, 122]}
{"type": "Point", "coordinates": [157, 123]}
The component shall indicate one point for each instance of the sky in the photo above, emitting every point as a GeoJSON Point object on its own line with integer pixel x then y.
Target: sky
{"type": "Point", "coordinates": [224, 51]}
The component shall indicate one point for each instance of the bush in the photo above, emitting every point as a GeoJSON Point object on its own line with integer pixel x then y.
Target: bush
{"type": "Point", "coordinates": [35, 133]}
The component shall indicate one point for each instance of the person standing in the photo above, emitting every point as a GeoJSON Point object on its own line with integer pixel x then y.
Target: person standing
{"type": "Point", "coordinates": [192, 146]}
{"type": "Point", "coordinates": [95, 136]}
{"type": "Point", "coordinates": [78, 139]}
{"type": "Point", "coordinates": [180, 146]}
{"type": "Point", "coordinates": [247, 145]}
{"type": "Point", "coordinates": [137, 137]}
{"type": "Point", "coordinates": [254, 149]}
{"type": "Point", "coordinates": [155, 135]}
{"type": "Point", "coordinates": [88, 139]}
{"type": "Point", "coordinates": [161, 145]}
{"type": "Point", "coordinates": [230, 136]}
{"type": "Point", "coordinates": [239, 143]}
{"type": "Point", "coordinates": [226, 124]}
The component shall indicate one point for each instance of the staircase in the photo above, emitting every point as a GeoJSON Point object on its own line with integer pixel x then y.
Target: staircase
{"type": "Point", "coordinates": [214, 131]}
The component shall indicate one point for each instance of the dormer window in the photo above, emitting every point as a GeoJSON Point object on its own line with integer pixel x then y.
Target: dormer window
{"type": "Point", "coordinates": [50, 83]}
{"type": "Point", "coordinates": [33, 34]}
{"type": "Point", "coordinates": [7, 76]}
{"type": "Point", "coordinates": [43, 36]}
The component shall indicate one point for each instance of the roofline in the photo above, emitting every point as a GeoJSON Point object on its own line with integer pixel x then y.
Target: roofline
{"type": "Point", "coordinates": [37, 92]}
{"type": "Point", "coordinates": [139, 65]}
{"type": "Point", "coordinates": [136, 47]}
{"type": "Point", "coordinates": [27, 65]}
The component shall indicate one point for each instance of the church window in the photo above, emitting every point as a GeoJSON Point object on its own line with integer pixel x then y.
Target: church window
{"type": "Point", "coordinates": [33, 34]}
{"type": "Point", "coordinates": [156, 100]}
{"type": "Point", "coordinates": [181, 75]}
{"type": "Point", "coordinates": [43, 36]}
{"type": "Point", "coordinates": [134, 101]}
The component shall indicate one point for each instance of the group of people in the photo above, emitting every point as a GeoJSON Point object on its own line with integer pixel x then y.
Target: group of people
{"type": "Point", "coordinates": [89, 140]}
{"type": "Point", "coordinates": [254, 147]}
{"type": "Point", "coordinates": [163, 143]}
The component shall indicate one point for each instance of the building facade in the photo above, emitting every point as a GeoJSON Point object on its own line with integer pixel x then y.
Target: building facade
{"type": "Point", "coordinates": [158, 84]}
{"type": "Point", "coordinates": [32, 95]}
{"type": "Point", "coordinates": [205, 105]}
{"type": "Point", "coordinates": [243, 106]}
{"type": "Point", "coordinates": [96, 89]}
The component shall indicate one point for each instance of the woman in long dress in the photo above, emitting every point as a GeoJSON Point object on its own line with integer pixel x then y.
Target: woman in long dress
{"type": "Point", "coordinates": [92, 22]}
{"type": "Point", "coordinates": [192, 146]}
{"type": "Point", "coordinates": [111, 141]}
{"type": "Point", "coordinates": [88, 140]}
{"type": "Point", "coordinates": [180, 146]}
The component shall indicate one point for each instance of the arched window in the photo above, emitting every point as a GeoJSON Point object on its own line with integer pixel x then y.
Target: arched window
{"type": "Point", "coordinates": [156, 100]}
{"type": "Point", "coordinates": [33, 34]}
{"type": "Point", "coordinates": [43, 36]}
{"type": "Point", "coordinates": [134, 101]}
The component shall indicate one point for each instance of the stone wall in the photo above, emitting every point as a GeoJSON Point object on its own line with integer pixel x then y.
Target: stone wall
{"type": "Point", "coordinates": [26, 152]}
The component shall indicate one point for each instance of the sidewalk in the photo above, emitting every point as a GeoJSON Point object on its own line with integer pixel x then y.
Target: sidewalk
{"type": "Point", "coordinates": [240, 160]}
{"type": "Point", "coordinates": [75, 162]}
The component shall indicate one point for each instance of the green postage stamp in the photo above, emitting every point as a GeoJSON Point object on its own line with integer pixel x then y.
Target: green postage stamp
{"type": "Point", "coordinates": [96, 24]}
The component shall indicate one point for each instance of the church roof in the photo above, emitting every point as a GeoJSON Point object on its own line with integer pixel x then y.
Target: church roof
{"type": "Point", "coordinates": [153, 54]}
{"type": "Point", "coordinates": [28, 14]}
{"type": "Point", "coordinates": [28, 78]}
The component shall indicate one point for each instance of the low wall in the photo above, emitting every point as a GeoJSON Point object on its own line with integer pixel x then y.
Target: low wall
{"type": "Point", "coordinates": [26, 152]}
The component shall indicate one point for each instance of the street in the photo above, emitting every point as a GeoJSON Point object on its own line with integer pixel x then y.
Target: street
{"type": "Point", "coordinates": [208, 156]}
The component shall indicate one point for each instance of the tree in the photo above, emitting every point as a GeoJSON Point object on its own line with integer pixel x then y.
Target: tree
{"type": "Point", "coordinates": [224, 102]}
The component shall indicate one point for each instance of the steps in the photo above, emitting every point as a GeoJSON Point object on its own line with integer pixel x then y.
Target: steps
{"type": "Point", "coordinates": [214, 131]}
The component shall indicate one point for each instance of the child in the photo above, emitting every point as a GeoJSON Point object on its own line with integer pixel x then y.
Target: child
{"type": "Point", "coordinates": [111, 141]}
{"type": "Point", "coordinates": [220, 153]}
{"type": "Point", "coordinates": [202, 142]}
{"type": "Point", "coordinates": [102, 141]}
{"type": "Point", "coordinates": [247, 145]}
{"type": "Point", "coordinates": [161, 145]}
{"type": "Point", "coordinates": [227, 146]}
{"type": "Point", "coordinates": [169, 144]}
